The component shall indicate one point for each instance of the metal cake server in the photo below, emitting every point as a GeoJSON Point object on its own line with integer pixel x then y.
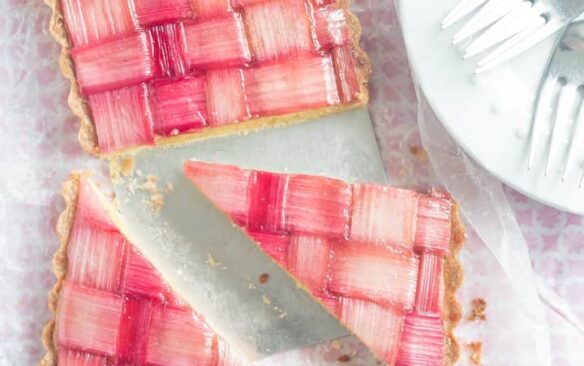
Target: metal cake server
{"type": "Point", "coordinates": [211, 263]}
{"type": "Point", "coordinates": [509, 27]}
{"type": "Point", "coordinates": [556, 132]}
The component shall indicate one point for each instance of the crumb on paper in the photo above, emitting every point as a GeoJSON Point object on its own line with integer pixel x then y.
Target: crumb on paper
{"type": "Point", "coordinates": [151, 184]}
{"type": "Point", "coordinates": [476, 352]}
{"type": "Point", "coordinates": [336, 344]}
{"type": "Point", "coordinates": [266, 300]}
{"type": "Point", "coordinates": [419, 153]}
{"type": "Point", "coordinates": [478, 310]}
{"type": "Point", "coordinates": [169, 188]}
{"type": "Point", "coordinates": [344, 358]}
{"type": "Point", "coordinates": [211, 260]}
{"type": "Point", "coordinates": [156, 202]}
{"type": "Point", "coordinates": [264, 277]}
{"type": "Point", "coordinates": [283, 315]}
{"type": "Point", "coordinates": [122, 167]}
{"type": "Point", "coordinates": [127, 166]}
{"type": "Point", "coordinates": [251, 286]}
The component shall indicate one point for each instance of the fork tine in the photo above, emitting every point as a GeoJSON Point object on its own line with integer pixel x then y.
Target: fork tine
{"type": "Point", "coordinates": [542, 114]}
{"type": "Point", "coordinates": [574, 144]}
{"type": "Point", "coordinates": [489, 14]}
{"type": "Point", "coordinates": [565, 105]}
{"type": "Point", "coordinates": [516, 45]}
{"type": "Point", "coordinates": [461, 10]}
{"type": "Point", "coordinates": [520, 18]}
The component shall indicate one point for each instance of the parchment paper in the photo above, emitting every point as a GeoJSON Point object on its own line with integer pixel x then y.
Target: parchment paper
{"type": "Point", "coordinates": [38, 148]}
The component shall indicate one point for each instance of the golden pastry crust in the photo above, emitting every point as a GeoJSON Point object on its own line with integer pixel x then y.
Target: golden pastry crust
{"type": "Point", "coordinates": [70, 192]}
{"type": "Point", "coordinates": [88, 137]}
{"type": "Point", "coordinates": [453, 275]}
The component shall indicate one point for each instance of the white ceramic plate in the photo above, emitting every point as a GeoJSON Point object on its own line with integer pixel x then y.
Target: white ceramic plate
{"type": "Point", "coordinates": [489, 115]}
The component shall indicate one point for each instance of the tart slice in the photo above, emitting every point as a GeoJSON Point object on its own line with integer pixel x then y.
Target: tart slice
{"type": "Point", "coordinates": [392, 285]}
{"type": "Point", "coordinates": [149, 72]}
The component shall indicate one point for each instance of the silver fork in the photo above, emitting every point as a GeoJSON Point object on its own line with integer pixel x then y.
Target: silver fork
{"type": "Point", "coordinates": [559, 106]}
{"type": "Point", "coordinates": [509, 27]}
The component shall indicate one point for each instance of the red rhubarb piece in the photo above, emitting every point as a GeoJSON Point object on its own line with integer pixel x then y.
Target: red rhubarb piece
{"type": "Point", "coordinates": [122, 118]}
{"type": "Point", "coordinates": [377, 326]}
{"type": "Point", "coordinates": [317, 205]}
{"type": "Point", "coordinates": [91, 21]}
{"type": "Point", "coordinates": [218, 42]}
{"type": "Point", "coordinates": [96, 257]}
{"type": "Point", "coordinates": [119, 62]}
{"type": "Point", "coordinates": [88, 319]}
{"type": "Point", "coordinates": [211, 8]}
{"type": "Point", "coordinates": [141, 278]}
{"type": "Point", "coordinates": [330, 27]}
{"type": "Point", "coordinates": [178, 337]}
{"type": "Point", "coordinates": [291, 86]}
{"type": "Point", "coordinates": [166, 42]}
{"type": "Point", "coordinates": [179, 105]}
{"type": "Point", "coordinates": [150, 12]}
{"type": "Point", "coordinates": [225, 97]}
{"type": "Point", "coordinates": [68, 357]}
{"type": "Point", "coordinates": [374, 273]}
{"type": "Point", "coordinates": [131, 349]}
{"type": "Point", "coordinates": [433, 226]}
{"type": "Point", "coordinates": [346, 72]}
{"type": "Point", "coordinates": [422, 341]}
{"type": "Point", "coordinates": [308, 259]}
{"type": "Point", "coordinates": [90, 210]}
{"type": "Point", "coordinates": [225, 185]}
{"type": "Point", "coordinates": [278, 29]}
{"type": "Point", "coordinates": [275, 245]}
{"type": "Point", "coordinates": [429, 282]}
{"type": "Point", "coordinates": [383, 215]}
{"type": "Point", "coordinates": [266, 199]}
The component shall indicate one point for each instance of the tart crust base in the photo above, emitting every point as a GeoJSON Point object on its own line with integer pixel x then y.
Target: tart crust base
{"type": "Point", "coordinates": [87, 135]}
{"type": "Point", "coordinates": [453, 275]}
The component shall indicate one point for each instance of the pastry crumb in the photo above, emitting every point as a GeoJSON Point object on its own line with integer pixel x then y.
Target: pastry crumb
{"type": "Point", "coordinates": [211, 260]}
{"type": "Point", "coordinates": [478, 310]}
{"type": "Point", "coordinates": [169, 188]}
{"type": "Point", "coordinates": [156, 202]}
{"type": "Point", "coordinates": [264, 277]}
{"type": "Point", "coordinates": [419, 153]}
{"type": "Point", "coordinates": [151, 184]}
{"type": "Point", "coordinates": [266, 300]}
{"type": "Point", "coordinates": [127, 166]}
{"type": "Point", "coordinates": [336, 344]}
{"type": "Point", "coordinates": [476, 352]}
{"type": "Point", "coordinates": [344, 358]}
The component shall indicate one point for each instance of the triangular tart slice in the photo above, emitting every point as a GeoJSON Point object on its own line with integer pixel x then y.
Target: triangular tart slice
{"type": "Point", "coordinates": [381, 259]}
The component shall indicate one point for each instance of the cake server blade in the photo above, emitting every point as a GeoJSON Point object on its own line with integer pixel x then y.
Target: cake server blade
{"type": "Point", "coordinates": [212, 264]}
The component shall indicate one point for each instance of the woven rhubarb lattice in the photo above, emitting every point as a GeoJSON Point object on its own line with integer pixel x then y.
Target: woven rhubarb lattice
{"type": "Point", "coordinates": [372, 255]}
{"type": "Point", "coordinates": [145, 70]}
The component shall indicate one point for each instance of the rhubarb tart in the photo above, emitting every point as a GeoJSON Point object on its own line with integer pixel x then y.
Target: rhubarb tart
{"type": "Point", "coordinates": [152, 72]}
{"type": "Point", "coordinates": [381, 259]}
